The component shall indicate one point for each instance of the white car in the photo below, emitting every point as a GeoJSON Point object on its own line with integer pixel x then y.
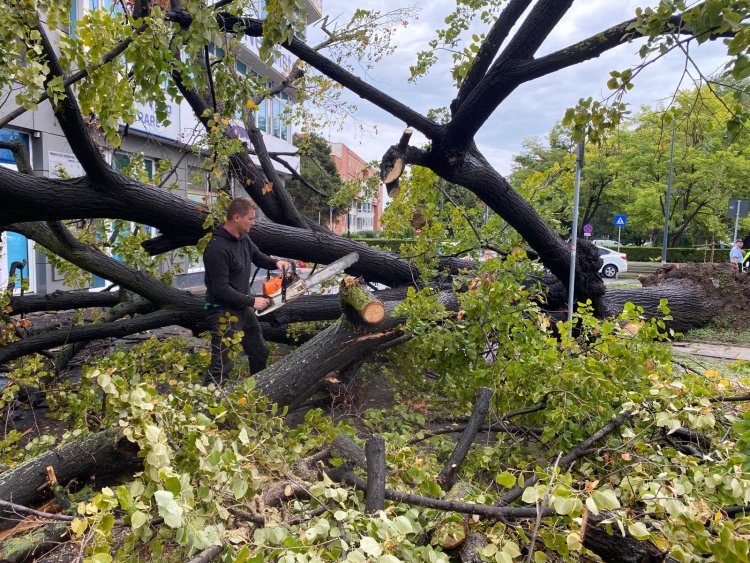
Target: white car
{"type": "Point", "coordinates": [605, 242]}
{"type": "Point", "coordinates": [613, 262]}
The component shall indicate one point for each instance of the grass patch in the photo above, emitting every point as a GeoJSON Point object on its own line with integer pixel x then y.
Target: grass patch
{"type": "Point", "coordinates": [724, 335]}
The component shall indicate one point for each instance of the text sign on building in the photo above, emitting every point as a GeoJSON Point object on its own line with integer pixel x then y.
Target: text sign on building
{"type": "Point", "coordinates": [63, 164]}
{"type": "Point", "coordinates": [281, 63]}
{"type": "Point", "coordinates": [735, 205]}
{"type": "Point", "coordinates": [149, 123]}
{"type": "Point", "coordinates": [621, 220]}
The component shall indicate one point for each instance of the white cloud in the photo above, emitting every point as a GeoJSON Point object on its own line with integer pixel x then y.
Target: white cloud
{"type": "Point", "coordinates": [533, 108]}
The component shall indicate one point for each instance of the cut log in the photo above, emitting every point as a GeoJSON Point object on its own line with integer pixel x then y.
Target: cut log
{"type": "Point", "coordinates": [375, 494]}
{"type": "Point", "coordinates": [103, 455]}
{"type": "Point", "coordinates": [358, 303]}
{"type": "Point", "coordinates": [689, 304]}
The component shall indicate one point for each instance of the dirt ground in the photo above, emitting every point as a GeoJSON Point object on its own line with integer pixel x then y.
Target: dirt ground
{"type": "Point", "coordinates": [719, 281]}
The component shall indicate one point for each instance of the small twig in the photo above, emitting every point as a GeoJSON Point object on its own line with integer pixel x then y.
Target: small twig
{"type": "Point", "coordinates": [737, 399]}
{"type": "Point", "coordinates": [541, 508]}
{"type": "Point", "coordinates": [46, 515]}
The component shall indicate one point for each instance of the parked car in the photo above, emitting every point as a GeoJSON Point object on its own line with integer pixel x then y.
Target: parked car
{"type": "Point", "coordinates": [613, 262]}
{"type": "Point", "coordinates": [604, 242]}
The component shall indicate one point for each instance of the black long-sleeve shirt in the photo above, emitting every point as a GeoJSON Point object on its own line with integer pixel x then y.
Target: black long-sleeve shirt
{"type": "Point", "coordinates": [229, 261]}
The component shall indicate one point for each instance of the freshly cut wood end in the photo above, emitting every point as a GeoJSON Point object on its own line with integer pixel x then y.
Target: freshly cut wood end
{"type": "Point", "coordinates": [395, 172]}
{"type": "Point", "coordinates": [373, 312]}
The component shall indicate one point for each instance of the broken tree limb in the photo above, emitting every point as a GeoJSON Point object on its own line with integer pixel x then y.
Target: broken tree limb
{"type": "Point", "coordinates": [104, 455]}
{"type": "Point", "coordinates": [375, 454]}
{"type": "Point", "coordinates": [447, 476]}
{"type": "Point", "coordinates": [358, 303]}
{"type": "Point", "coordinates": [343, 446]}
{"type": "Point", "coordinates": [579, 451]}
{"type": "Point", "coordinates": [449, 533]}
{"type": "Point", "coordinates": [469, 550]}
{"type": "Point", "coordinates": [208, 554]}
{"type": "Point", "coordinates": [62, 300]}
{"type": "Point", "coordinates": [486, 510]}
{"type": "Point", "coordinates": [391, 174]}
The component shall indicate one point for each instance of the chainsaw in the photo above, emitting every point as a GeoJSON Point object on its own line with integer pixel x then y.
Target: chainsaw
{"type": "Point", "coordinates": [289, 285]}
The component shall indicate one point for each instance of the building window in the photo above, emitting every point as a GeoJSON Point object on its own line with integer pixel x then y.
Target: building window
{"type": "Point", "coordinates": [216, 52]}
{"type": "Point", "coordinates": [262, 118]}
{"type": "Point", "coordinates": [121, 160]}
{"type": "Point", "coordinates": [6, 156]}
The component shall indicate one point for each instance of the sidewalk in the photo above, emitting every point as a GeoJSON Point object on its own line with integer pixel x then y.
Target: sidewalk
{"type": "Point", "coordinates": [719, 351]}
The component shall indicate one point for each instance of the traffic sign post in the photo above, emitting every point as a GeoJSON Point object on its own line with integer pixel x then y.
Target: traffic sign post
{"type": "Point", "coordinates": [574, 238]}
{"type": "Point", "coordinates": [620, 222]}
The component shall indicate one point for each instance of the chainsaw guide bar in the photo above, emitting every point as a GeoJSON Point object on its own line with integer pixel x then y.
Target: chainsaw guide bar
{"type": "Point", "coordinates": [289, 286]}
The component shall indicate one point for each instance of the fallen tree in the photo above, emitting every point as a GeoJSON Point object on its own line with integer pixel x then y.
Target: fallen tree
{"type": "Point", "coordinates": [456, 326]}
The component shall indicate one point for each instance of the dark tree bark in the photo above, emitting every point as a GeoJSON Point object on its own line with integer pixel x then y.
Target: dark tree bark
{"type": "Point", "coordinates": [62, 300]}
{"type": "Point", "coordinates": [375, 494]}
{"type": "Point", "coordinates": [447, 476]}
{"type": "Point", "coordinates": [616, 548]}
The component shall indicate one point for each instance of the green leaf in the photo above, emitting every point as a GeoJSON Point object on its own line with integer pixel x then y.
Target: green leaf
{"type": "Point", "coordinates": [239, 486]}
{"type": "Point", "coordinates": [505, 479]}
{"type": "Point", "coordinates": [639, 531]}
{"type": "Point", "coordinates": [370, 546]}
{"type": "Point", "coordinates": [169, 509]}
{"type": "Point", "coordinates": [138, 519]}
{"type": "Point", "coordinates": [606, 499]}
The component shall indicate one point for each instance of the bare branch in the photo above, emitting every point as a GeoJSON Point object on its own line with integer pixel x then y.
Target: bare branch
{"type": "Point", "coordinates": [254, 28]}
{"type": "Point", "coordinates": [499, 32]}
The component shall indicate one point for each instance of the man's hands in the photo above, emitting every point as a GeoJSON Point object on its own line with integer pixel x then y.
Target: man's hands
{"type": "Point", "coordinates": [283, 265]}
{"type": "Point", "coordinates": [261, 303]}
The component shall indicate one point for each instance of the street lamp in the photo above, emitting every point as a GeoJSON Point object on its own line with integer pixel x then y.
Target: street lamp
{"type": "Point", "coordinates": [669, 192]}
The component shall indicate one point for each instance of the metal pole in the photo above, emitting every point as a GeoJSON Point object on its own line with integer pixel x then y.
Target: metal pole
{"type": "Point", "coordinates": [574, 238]}
{"type": "Point", "coordinates": [667, 203]}
{"type": "Point", "coordinates": [736, 221]}
{"type": "Point", "coordinates": [619, 236]}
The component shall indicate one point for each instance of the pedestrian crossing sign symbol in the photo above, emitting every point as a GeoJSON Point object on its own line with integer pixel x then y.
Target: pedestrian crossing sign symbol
{"type": "Point", "coordinates": [621, 220]}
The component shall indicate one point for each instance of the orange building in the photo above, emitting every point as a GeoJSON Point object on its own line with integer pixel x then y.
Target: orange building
{"type": "Point", "coordinates": [364, 213]}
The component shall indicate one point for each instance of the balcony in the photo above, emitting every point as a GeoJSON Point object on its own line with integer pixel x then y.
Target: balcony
{"type": "Point", "coordinates": [313, 9]}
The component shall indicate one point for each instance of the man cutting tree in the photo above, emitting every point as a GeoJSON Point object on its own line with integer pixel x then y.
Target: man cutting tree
{"type": "Point", "coordinates": [228, 259]}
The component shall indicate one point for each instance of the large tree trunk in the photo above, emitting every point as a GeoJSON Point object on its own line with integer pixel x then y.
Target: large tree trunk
{"type": "Point", "coordinates": [103, 455]}
{"type": "Point", "coordinates": [689, 304]}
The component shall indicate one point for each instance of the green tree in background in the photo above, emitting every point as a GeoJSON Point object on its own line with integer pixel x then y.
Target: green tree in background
{"type": "Point", "coordinates": [627, 173]}
{"type": "Point", "coordinates": [318, 170]}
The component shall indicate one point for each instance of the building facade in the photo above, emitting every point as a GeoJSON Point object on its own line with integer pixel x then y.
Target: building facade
{"type": "Point", "coordinates": [365, 210]}
{"type": "Point", "coordinates": [147, 139]}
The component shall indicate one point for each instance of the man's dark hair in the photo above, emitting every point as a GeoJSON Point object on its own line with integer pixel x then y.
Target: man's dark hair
{"type": "Point", "coordinates": [240, 206]}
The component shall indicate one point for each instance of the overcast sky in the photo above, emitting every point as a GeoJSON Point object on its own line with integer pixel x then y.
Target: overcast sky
{"type": "Point", "coordinates": [533, 108]}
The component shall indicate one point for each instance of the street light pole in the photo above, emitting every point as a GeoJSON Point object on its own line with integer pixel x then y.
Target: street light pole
{"type": "Point", "coordinates": [667, 202]}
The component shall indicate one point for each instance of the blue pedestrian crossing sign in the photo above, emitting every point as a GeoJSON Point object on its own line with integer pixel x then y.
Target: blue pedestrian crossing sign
{"type": "Point", "coordinates": [621, 220]}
